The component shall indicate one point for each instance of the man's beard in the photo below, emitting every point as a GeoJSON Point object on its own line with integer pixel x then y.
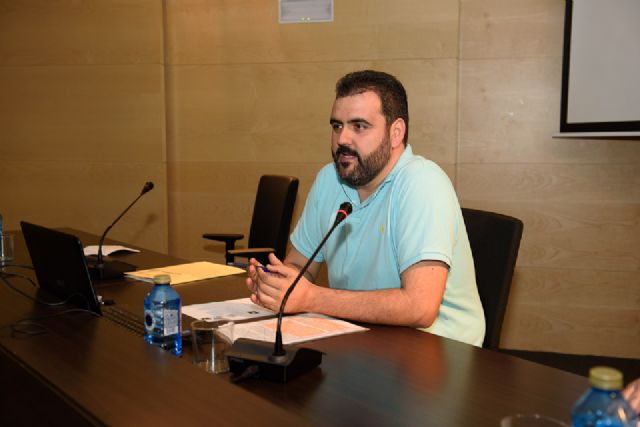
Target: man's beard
{"type": "Point", "coordinates": [367, 168]}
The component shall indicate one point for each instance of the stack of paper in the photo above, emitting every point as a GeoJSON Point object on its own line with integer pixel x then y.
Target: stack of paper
{"type": "Point", "coordinates": [107, 249]}
{"type": "Point", "coordinates": [295, 329]}
{"type": "Point", "coordinates": [183, 273]}
{"type": "Point", "coordinates": [235, 309]}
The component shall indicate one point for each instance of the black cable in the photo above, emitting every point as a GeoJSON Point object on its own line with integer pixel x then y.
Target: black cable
{"type": "Point", "coordinates": [29, 279]}
{"type": "Point", "coordinates": [250, 371]}
{"type": "Point", "coordinates": [3, 277]}
{"type": "Point", "coordinates": [31, 327]}
{"type": "Point", "coordinates": [28, 267]}
{"type": "Point", "coordinates": [26, 327]}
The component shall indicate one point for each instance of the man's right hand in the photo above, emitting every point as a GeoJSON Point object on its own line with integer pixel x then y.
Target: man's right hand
{"type": "Point", "coordinates": [268, 287]}
{"type": "Point", "coordinates": [632, 394]}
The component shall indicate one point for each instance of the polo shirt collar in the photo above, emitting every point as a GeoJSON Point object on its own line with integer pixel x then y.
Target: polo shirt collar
{"type": "Point", "coordinates": [352, 193]}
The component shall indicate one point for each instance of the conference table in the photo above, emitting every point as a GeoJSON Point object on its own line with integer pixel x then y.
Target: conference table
{"type": "Point", "coordinates": [62, 367]}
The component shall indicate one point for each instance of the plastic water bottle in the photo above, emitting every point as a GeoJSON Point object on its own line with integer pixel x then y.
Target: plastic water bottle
{"type": "Point", "coordinates": [162, 311]}
{"type": "Point", "coordinates": [603, 404]}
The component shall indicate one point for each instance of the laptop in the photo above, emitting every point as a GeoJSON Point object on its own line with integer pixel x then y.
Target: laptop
{"type": "Point", "coordinates": [60, 265]}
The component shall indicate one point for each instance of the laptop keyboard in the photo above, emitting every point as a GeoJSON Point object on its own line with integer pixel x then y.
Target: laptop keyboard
{"type": "Point", "coordinates": [124, 318]}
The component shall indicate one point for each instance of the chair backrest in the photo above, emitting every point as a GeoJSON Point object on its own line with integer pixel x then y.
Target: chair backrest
{"type": "Point", "coordinates": [272, 212]}
{"type": "Point", "coordinates": [495, 240]}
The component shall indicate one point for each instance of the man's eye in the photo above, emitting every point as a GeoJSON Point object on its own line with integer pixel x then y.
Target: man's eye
{"type": "Point", "coordinates": [336, 126]}
{"type": "Point", "coordinates": [359, 126]}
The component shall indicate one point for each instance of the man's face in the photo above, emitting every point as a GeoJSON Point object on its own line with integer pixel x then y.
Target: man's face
{"type": "Point", "coordinates": [360, 142]}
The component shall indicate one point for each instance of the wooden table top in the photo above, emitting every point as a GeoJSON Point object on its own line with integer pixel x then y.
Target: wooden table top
{"type": "Point", "coordinates": [385, 376]}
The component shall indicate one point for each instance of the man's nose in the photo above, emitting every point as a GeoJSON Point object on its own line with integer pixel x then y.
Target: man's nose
{"type": "Point", "coordinates": [345, 137]}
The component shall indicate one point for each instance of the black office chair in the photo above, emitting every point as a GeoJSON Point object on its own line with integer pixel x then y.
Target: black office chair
{"type": "Point", "coordinates": [270, 224]}
{"type": "Point", "coordinates": [495, 240]}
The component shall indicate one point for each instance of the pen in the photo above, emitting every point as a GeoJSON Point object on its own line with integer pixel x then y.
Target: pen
{"type": "Point", "coordinates": [240, 265]}
{"type": "Point", "coordinates": [237, 264]}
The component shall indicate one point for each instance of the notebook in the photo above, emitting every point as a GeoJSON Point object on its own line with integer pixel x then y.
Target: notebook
{"type": "Point", "coordinates": [60, 265]}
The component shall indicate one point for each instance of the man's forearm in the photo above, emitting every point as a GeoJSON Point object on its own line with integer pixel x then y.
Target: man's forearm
{"type": "Point", "coordinates": [385, 306]}
{"type": "Point", "coordinates": [416, 303]}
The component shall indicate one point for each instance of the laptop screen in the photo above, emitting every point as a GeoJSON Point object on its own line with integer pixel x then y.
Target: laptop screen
{"type": "Point", "coordinates": [60, 265]}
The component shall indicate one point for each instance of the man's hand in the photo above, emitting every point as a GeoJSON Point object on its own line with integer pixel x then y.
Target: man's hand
{"type": "Point", "coordinates": [268, 287]}
{"type": "Point", "coordinates": [632, 394]}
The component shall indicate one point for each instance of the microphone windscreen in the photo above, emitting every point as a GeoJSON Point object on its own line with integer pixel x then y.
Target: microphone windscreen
{"type": "Point", "coordinates": [346, 206]}
{"type": "Point", "coordinates": [148, 186]}
{"type": "Point", "coordinates": [343, 213]}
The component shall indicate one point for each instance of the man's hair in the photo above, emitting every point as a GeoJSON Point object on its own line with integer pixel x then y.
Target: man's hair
{"type": "Point", "coordinates": [392, 95]}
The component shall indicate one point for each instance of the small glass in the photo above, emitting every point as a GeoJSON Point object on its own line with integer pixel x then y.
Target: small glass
{"type": "Point", "coordinates": [210, 341]}
{"type": "Point", "coordinates": [6, 248]}
{"type": "Point", "coordinates": [531, 420]}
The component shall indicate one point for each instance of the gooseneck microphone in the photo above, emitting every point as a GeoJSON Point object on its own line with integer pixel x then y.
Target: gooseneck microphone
{"type": "Point", "coordinates": [101, 270]}
{"type": "Point", "coordinates": [279, 363]}
{"type": "Point", "coordinates": [278, 350]}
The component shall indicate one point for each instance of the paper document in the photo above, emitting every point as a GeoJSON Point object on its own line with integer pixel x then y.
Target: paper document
{"type": "Point", "coordinates": [236, 309]}
{"type": "Point", "coordinates": [183, 273]}
{"type": "Point", "coordinates": [296, 329]}
{"type": "Point", "coordinates": [107, 249]}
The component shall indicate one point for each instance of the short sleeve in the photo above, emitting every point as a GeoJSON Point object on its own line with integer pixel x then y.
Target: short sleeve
{"type": "Point", "coordinates": [424, 213]}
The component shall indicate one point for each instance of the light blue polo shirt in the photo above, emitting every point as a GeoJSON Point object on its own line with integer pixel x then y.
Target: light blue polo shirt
{"type": "Point", "coordinates": [414, 215]}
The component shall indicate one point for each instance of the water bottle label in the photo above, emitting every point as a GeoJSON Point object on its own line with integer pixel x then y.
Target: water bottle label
{"type": "Point", "coordinates": [171, 322]}
{"type": "Point", "coordinates": [165, 322]}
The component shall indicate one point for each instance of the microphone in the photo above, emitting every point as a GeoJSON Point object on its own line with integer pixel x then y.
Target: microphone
{"type": "Point", "coordinates": [113, 269]}
{"type": "Point", "coordinates": [256, 358]}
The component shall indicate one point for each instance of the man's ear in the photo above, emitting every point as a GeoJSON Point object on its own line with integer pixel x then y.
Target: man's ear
{"type": "Point", "coordinates": [397, 131]}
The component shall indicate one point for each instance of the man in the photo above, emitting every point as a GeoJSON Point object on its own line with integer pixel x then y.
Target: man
{"type": "Point", "coordinates": [402, 257]}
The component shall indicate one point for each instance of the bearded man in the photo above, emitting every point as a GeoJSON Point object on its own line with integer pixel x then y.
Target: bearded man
{"type": "Point", "coordinates": [403, 256]}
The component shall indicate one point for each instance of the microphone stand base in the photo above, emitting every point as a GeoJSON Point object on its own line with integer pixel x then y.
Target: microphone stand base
{"type": "Point", "coordinates": [246, 355]}
{"type": "Point", "coordinates": [109, 270]}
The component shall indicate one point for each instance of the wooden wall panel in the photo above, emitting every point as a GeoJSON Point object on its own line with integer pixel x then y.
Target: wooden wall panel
{"type": "Point", "coordinates": [551, 183]}
{"type": "Point", "coordinates": [82, 115]}
{"type": "Point", "coordinates": [580, 236]}
{"type": "Point", "coordinates": [95, 113]}
{"type": "Point", "coordinates": [509, 110]}
{"type": "Point", "coordinates": [591, 330]}
{"type": "Point", "coordinates": [87, 196]}
{"type": "Point", "coordinates": [576, 310]}
{"type": "Point", "coordinates": [584, 288]}
{"type": "Point", "coordinates": [218, 32]}
{"type": "Point", "coordinates": [280, 112]}
{"type": "Point", "coordinates": [263, 113]}
{"type": "Point", "coordinates": [511, 29]}
{"type": "Point", "coordinates": [46, 32]}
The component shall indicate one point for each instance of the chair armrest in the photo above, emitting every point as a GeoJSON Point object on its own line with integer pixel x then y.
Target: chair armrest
{"type": "Point", "coordinates": [251, 252]}
{"type": "Point", "coordinates": [224, 237]}
{"type": "Point", "coordinates": [229, 240]}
